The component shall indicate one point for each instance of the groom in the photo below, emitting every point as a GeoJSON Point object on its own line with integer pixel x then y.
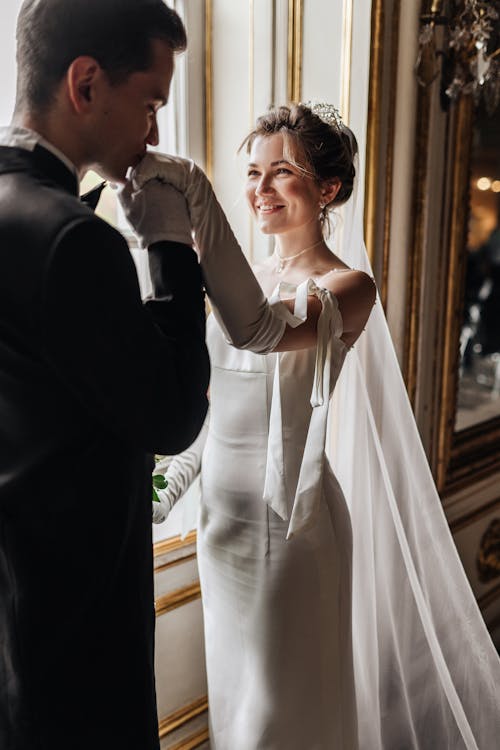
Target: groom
{"type": "Point", "coordinates": [91, 380]}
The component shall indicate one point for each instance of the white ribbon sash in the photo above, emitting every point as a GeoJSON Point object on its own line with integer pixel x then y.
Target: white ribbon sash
{"type": "Point", "coordinates": [309, 486]}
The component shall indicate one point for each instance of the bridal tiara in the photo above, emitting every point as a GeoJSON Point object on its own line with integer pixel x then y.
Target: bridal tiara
{"type": "Point", "coordinates": [326, 112]}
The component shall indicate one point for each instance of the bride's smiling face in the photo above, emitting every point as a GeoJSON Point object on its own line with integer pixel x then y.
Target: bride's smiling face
{"type": "Point", "coordinates": [281, 197]}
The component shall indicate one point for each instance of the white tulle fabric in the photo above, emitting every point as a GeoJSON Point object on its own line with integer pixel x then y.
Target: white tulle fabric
{"type": "Point", "coordinates": [427, 674]}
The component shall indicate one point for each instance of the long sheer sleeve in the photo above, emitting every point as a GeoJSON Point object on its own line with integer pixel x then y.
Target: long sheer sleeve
{"type": "Point", "coordinates": [180, 472]}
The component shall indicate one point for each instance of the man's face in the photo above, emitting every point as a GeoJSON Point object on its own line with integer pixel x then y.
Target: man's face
{"type": "Point", "coordinates": [125, 116]}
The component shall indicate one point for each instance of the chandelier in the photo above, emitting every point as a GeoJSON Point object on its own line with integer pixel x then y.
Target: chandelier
{"type": "Point", "coordinates": [461, 40]}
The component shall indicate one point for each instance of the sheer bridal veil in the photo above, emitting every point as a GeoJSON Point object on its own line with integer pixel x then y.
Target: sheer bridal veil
{"type": "Point", "coordinates": [427, 674]}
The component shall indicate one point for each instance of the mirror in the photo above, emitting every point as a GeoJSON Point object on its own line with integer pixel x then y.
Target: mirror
{"type": "Point", "coordinates": [478, 398]}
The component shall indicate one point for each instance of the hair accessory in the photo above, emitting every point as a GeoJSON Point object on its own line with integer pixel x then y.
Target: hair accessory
{"type": "Point", "coordinates": [326, 112]}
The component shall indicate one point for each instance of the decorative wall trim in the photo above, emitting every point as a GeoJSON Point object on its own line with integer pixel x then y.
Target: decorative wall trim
{"type": "Point", "coordinates": [174, 543]}
{"type": "Point", "coordinates": [473, 454]}
{"type": "Point", "coordinates": [380, 138]}
{"type": "Point", "coordinates": [389, 160]}
{"type": "Point", "coordinates": [251, 63]}
{"type": "Point", "coordinates": [177, 598]}
{"type": "Point", "coordinates": [345, 80]}
{"type": "Point", "coordinates": [295, 18]}
{"type": "Point", "coordinates": [182, 716]}
{"type": "Point", "coordinates": [374, 127]}
{"type": "Point", "coordinates": [469, 518]}
{"type": "Point", "coordinates": [209, 143]}
{"type": "Point", "coordinates": [420, 192]}
{"type": "Point", "coordinates": [489, 597]}
{"type": "Point", "coordinates": [177, 561]}
{"type": "Point", "coordinates": [493, 624]}
{"type": "Point", "coordinates": [190, 743]}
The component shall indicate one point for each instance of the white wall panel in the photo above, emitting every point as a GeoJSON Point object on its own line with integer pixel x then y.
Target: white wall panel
{"type": "Point", "coordinates": [322, 47]}
{"type": "Point", "coordinates": [179, 658]}
{"type": "Point", "coordinates": [8, 12]}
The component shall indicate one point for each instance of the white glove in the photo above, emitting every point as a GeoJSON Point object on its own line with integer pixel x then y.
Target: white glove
{"type": "Point", "coordinates": [238, 302]}
{"type": "Point", "coordinates": [162, 508]}
{"type": "Point", "coordinates": [181, 473]}
{"type": "Point", "coordinates": [156, 212]}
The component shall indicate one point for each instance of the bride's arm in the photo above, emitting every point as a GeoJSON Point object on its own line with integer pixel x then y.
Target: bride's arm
{"type": "Point", "coordinates": [238, 301]}
{"type": "Point", "coordinates": [180, 472]}
{"type": "Point", "coordinates": [157, 212]}
{"type": "Point", "coordinates": [355, 293]}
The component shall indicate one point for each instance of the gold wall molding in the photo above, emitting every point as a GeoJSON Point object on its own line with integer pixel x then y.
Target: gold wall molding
{"type": "Point", "coordinates": [174, 563]}
{"type": "Point", "coordinates": [209, 103]}
{"type": "Point", "coordinates": [474, 454]}
{"type": "Point", "coordinates": [173, 544]}
{"type": "Point", "coordinates": [182, 716]}
{"type": "Point", "coordinates": [488, 555]}
{"type": "Point", "coordinates": [380, 140]}
{"type": "Point", "coordinates": [177, 598]}
{"type": "Point", "coordinates": [475, 515]}
{"type": "Point", "coordinates": [374, 126]}
{"type": "Point", "coordinates": [346, 59]}
{"type": "Point", "coordinates": [295, 21]}
{"type": "Point", "coordinates": [192, 742]}
{"type": "Point", "coordinates": [389, 162]}
{"type": "Point", "coordinates": [415, 266]}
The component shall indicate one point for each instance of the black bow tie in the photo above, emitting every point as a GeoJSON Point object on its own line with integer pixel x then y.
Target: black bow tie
{"type": "Point", "coordinates": [91, 199]}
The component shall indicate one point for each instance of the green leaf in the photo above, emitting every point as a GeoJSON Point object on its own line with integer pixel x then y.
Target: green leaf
{"type": "Point", "coordinates": [156, 499]}
{"type": "Point", "coordinates": [159, 481]}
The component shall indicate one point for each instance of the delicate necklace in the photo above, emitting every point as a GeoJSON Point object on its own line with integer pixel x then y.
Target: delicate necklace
{"type": "Point", "coordinates": [286, 259]}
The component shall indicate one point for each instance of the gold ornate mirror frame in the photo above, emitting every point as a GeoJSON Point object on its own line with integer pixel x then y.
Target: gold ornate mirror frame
{"type": "Point", "coordinates": [464, 457]}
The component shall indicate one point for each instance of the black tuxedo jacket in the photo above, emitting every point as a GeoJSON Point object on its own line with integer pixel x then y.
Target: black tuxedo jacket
{"type": "Point", "coordinates": [92, 382]}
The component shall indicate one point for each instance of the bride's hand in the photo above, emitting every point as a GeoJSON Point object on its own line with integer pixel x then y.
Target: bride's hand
{"type": "Point", "coordinates": [156, 212]}
{"type": "Point", "coordinates": [173, 170]}
{"type": "Point", "coordinates": [162, 502]}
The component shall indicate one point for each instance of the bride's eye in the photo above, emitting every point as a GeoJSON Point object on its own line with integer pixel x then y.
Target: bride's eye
{"type": "Point", "coordinates": [252, 173]}
{"type": "Point", "coordinates": [284, 170]}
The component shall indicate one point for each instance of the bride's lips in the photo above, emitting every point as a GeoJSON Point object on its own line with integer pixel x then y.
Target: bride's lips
{"type": "Point", "coordinates": [268, 209]}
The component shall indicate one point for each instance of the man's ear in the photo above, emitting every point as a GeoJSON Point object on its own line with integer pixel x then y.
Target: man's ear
{"type": "Point", "coordinates": [329, 190]}
{"type": "Point", "coordinates": [81, 77]}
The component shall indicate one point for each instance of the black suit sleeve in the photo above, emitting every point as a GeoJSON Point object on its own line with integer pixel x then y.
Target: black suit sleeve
{"type": "Point", "coordinates": [142, 370]}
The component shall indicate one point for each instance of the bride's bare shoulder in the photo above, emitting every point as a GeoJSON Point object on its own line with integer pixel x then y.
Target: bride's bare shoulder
{"type": "Point", "coordinates": [349, 282]}
{"type": "Point", "coordinates": [356, 293]}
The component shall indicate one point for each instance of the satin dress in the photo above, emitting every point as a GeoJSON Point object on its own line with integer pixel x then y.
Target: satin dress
{"type": "Point", "coordinates": [274, 547]}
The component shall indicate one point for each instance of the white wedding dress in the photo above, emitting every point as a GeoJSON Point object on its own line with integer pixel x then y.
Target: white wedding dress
{"type": "Point", "coordinates": [277, 611]}
{"type": "Point", "coordinates": [276, 547]}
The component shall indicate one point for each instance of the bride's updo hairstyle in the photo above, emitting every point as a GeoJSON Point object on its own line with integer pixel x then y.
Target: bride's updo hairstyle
{"type": "Point", "coordinates": [321, 150]}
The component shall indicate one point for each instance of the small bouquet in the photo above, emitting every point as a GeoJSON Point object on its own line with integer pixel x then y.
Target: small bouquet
{"type": "Point", "coordinates": [159, 483]}
{"type": "Point", "coordinates": [158, 479]}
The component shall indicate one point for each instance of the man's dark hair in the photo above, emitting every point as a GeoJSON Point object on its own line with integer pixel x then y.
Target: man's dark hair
{"type": "Point", "coordinates": [117, 33]}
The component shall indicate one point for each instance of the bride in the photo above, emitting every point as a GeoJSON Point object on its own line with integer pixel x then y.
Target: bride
{"type": "Point", "coordinates": [328, 623]}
